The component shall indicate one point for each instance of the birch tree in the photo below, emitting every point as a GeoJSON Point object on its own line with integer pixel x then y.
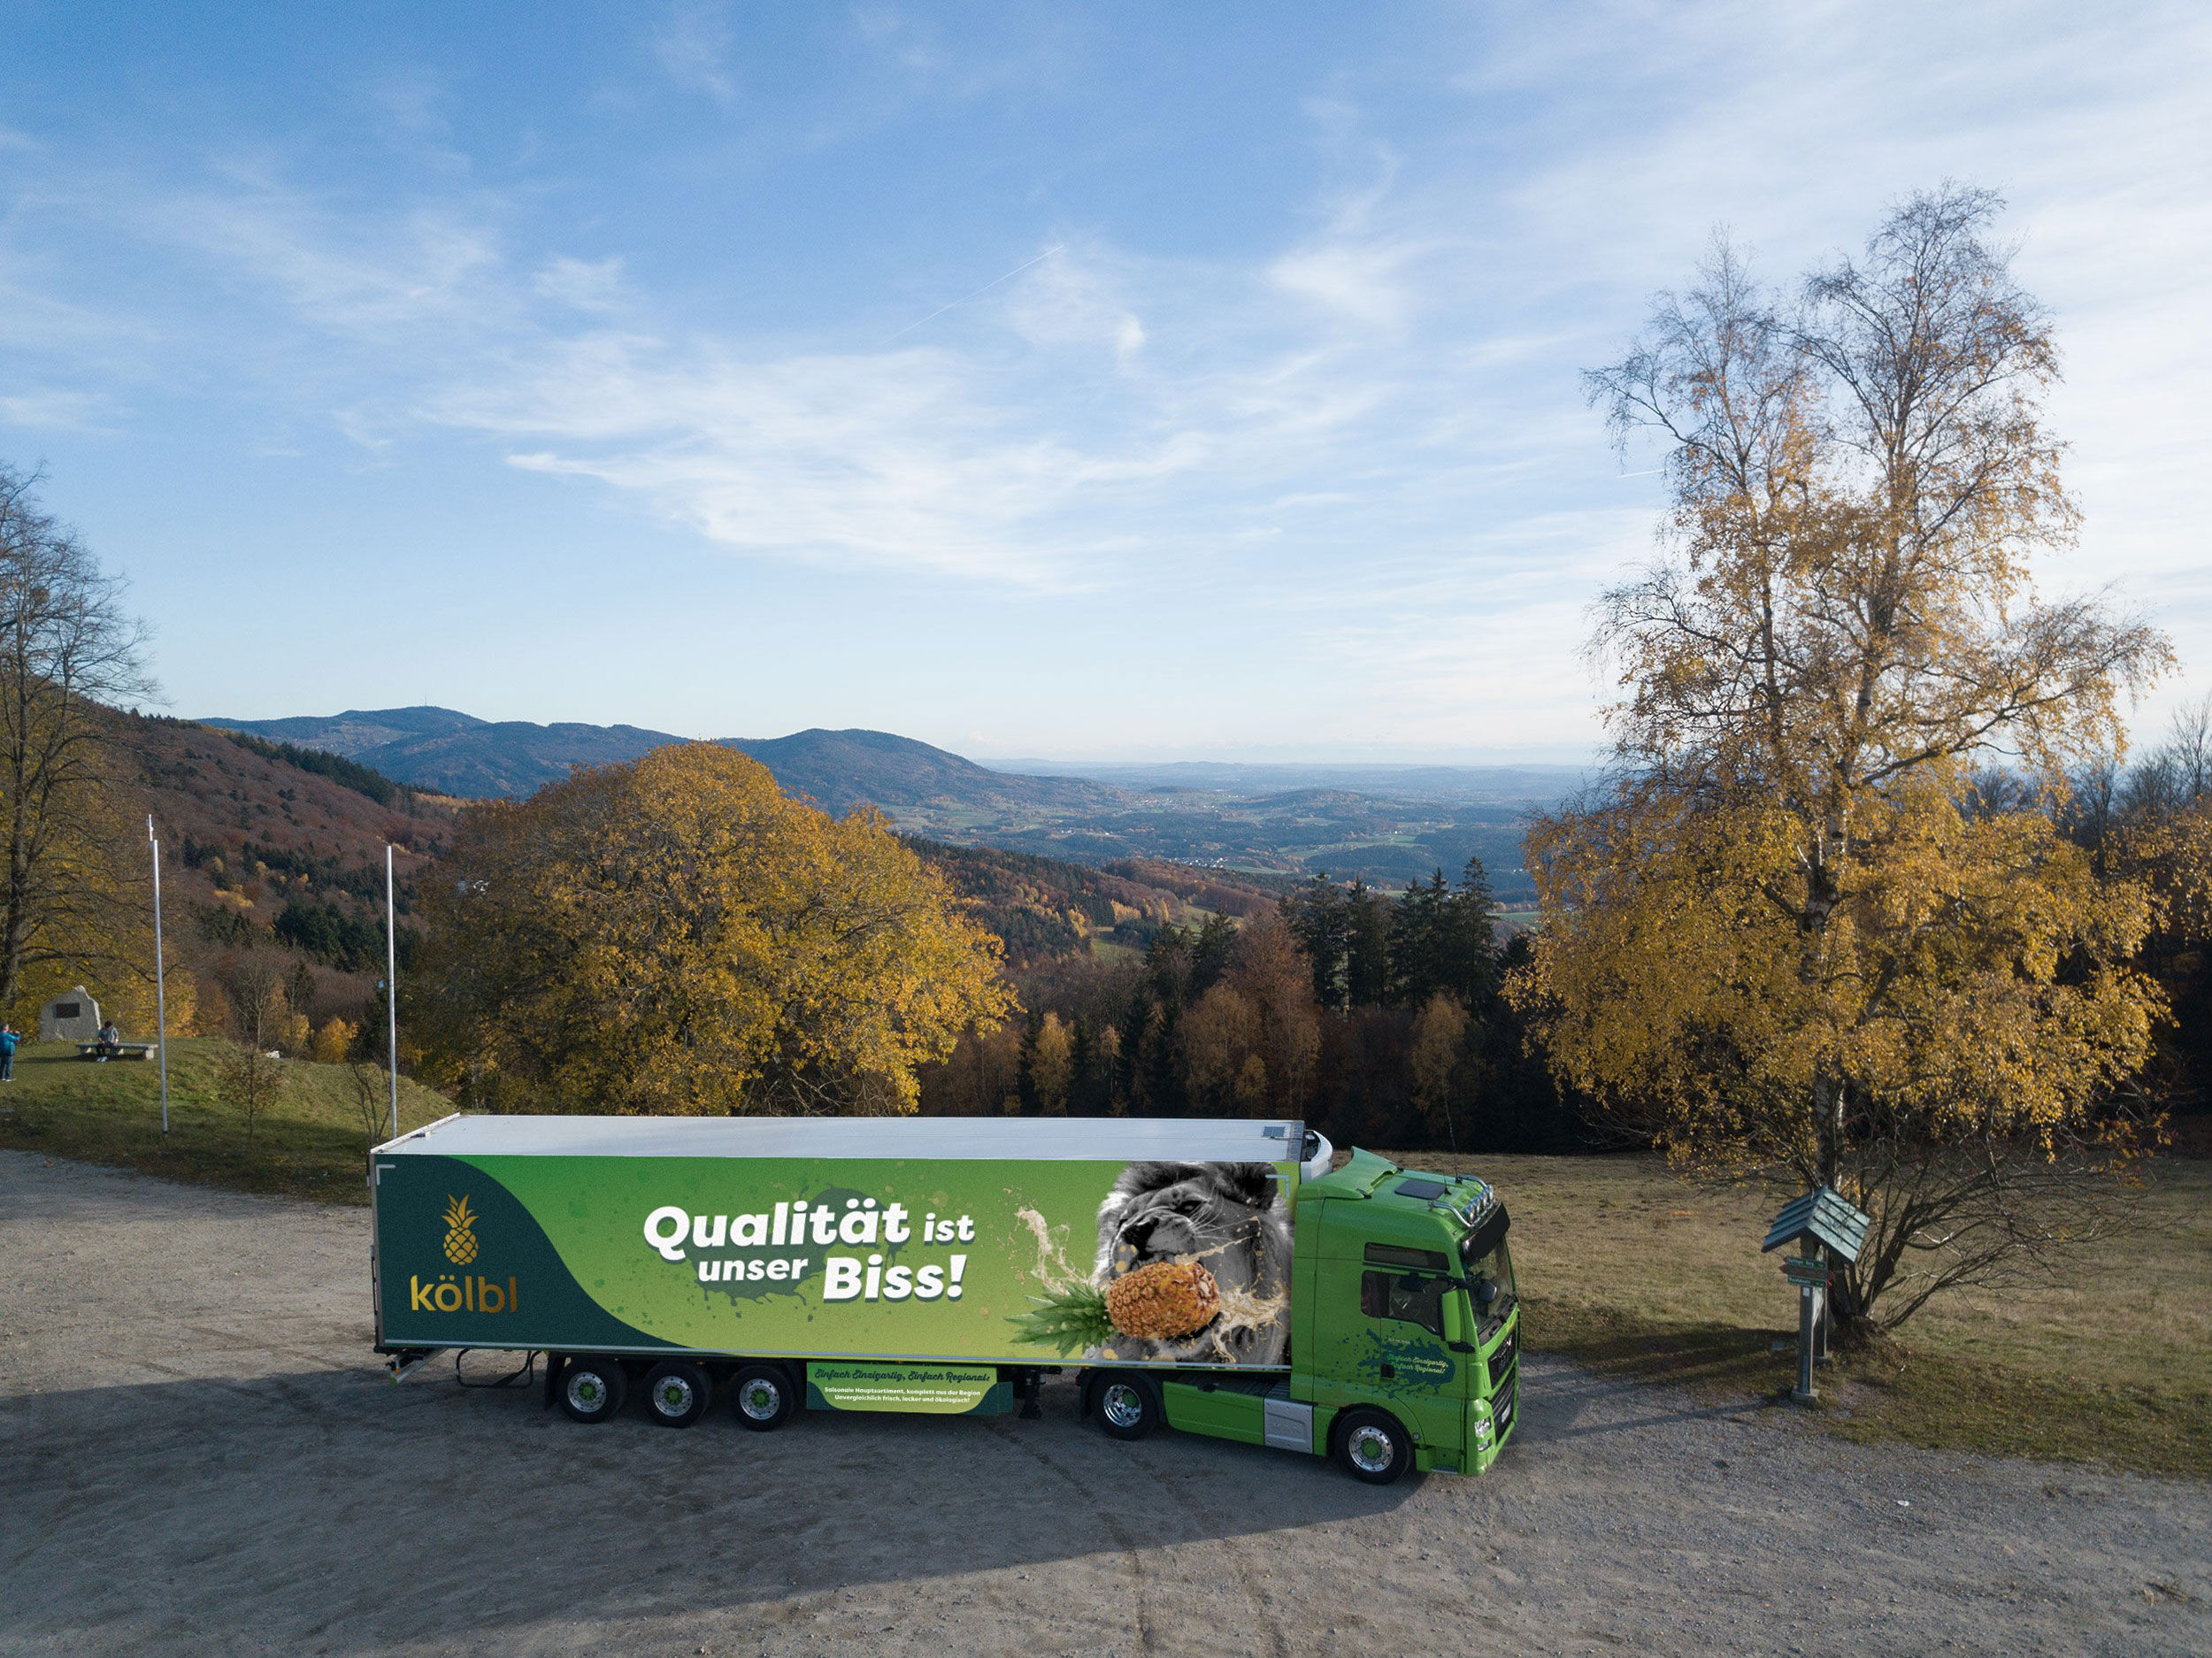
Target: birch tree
{"type": "Point", "coordinates": [1789, 932]}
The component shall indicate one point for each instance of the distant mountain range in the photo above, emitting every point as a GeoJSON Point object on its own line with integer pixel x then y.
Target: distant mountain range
{"type": "Point", "coordinates": [448, 752]}
{"type": "Point", "coordinates": [1389, 824]}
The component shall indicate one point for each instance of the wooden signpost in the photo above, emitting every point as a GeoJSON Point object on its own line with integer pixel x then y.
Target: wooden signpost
{"type": "Point", "coordinates": [1823, 1227]}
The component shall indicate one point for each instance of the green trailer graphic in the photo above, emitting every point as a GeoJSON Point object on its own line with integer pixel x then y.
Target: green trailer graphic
{"type": "Point", "coordinates": [1210, 1276]}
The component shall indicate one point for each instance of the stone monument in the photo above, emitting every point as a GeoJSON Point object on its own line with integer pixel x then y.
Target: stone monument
{"type": "Point", "coordinates": [75, 1017]}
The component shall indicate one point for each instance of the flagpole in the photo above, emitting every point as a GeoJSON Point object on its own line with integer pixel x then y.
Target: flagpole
{"type": "Point", "coordinates": [391, 985]}
{"type": "Point", "coordinates": [161, 987]}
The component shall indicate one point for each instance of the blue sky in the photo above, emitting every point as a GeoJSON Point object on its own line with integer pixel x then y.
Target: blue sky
{"type": "Point", "coordinates": [1191, 381]}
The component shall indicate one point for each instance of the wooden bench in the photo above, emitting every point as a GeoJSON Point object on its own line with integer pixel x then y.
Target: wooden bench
{"type": "Point", "coordinates": [115, 1050]}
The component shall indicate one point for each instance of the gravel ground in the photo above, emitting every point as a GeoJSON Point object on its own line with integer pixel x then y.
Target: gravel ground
{"type": "Point", "coordinates": [199, 1453]}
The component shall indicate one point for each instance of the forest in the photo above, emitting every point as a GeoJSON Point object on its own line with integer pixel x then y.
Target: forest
{"type": "Point", "coordinates": [1376, 1016]}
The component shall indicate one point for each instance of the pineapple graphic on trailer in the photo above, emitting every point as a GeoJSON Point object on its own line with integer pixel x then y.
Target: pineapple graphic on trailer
{"type": "Point", "coordinates": [1156, 1302]}
{"type": "Point", "coordinates": [460, 1238]}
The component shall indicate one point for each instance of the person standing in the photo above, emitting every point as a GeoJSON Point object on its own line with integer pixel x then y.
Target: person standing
{"type": "Point", "coordinates": [8, 1041]}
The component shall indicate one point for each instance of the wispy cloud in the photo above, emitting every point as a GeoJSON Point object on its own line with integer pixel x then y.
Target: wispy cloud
{"type": "Point", "coordinates": [591, 285]}
{"type": "Point", "coordinates": [53, 408]}
{"type": "Point", "coordinates": [896, 459]}
{"type": "Point", "coordinates": [349, 273]}
{"type": "Point", "coordinates": [693, 44]}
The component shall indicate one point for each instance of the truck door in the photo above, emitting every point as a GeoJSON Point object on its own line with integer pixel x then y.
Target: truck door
{"type": "Point", "coordinates": [1391, 1321]}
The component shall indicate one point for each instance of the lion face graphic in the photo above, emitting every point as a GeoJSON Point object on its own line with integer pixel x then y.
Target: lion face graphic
{"type": "Point", "coordinates": [1230, 1218]}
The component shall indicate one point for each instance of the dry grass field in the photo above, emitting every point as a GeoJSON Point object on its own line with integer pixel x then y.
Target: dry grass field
{"type": "Point", "coordinates": [1631, 1271]}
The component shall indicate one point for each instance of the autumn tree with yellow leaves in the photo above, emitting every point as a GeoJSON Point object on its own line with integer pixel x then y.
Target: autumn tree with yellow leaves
{"type": "Point", "coordinates": [678, 936]}
{"type": "Point", "coordinates": [70, 855]}
{"type": "Point", "coordinates": [1788, 934]}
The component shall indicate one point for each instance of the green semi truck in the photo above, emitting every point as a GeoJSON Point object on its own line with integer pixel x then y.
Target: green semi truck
{"type": "Point", "coordinates": [1215, 1276]}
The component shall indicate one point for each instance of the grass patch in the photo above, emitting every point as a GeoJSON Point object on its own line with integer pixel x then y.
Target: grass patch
{"type": "Point", "coordinates": [310, 1142]}
{"type": "Point", "coordinates": [1635, 1273]}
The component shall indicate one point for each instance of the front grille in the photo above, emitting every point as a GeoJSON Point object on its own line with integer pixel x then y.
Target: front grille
{"type": "Point", "coordinates": [1501, 1361]}
{"type": "Point", "coordinates": [1502, 1413]}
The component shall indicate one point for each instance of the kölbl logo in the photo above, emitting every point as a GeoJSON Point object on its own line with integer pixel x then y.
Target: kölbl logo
{"type": "Point", "coordinates": [476, 1295]}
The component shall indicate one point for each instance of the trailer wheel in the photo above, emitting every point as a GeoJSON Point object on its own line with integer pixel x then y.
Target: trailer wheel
{"type": "Point", "coordinates": [592, 1388]}
{"type": "Point", "coordinates": [676, 1392]}
{"type": "Point", "coordinates": [1372, 1446]}
{"type": "Point", "coordinates": [1128, 1405]}
{"type": "Point", "coordinates": [761, 1397]}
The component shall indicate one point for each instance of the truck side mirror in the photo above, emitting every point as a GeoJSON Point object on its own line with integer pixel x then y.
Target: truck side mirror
{"type": "Point", "coordinates": [1486, 1290]}
{"type": "Point", "coordinates": [1453, 1319]}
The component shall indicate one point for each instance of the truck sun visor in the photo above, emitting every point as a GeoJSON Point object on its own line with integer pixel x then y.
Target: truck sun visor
{"type": "Point", "coordinates": [1487, 1236]}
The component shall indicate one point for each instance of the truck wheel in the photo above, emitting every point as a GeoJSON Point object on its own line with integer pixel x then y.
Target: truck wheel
{"type": "Point", "coordinates": [676, 1392]}
{"type": "Point", "coordinates": [1128, 1406]}
{"type": "Point", "coordinates": [1372, 1446]}
{"type": "Point", "coordinates": [761, 1398]}
{"type": "Point", "coordinates": [592, 1388]}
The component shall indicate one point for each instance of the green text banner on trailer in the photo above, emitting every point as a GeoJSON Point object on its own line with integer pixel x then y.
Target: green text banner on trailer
{"type": "Point", "coordinates": [929, 1257]}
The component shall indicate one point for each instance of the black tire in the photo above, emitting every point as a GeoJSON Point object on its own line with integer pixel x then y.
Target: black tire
{"type": "Point", "coordinates": [593, 1387]}
{"type": "Point", "coordinates": [761, 1397]}
{"type": "Point", "coordinates": [676, 1392]}
{"type": "Point", "coordinates": [1128, 1405]}
{"type": "Point", "coordinates": [1372, 1446]}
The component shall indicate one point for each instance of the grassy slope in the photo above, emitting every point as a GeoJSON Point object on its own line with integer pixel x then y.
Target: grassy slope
{"type": "Point", "coordinates": [1622, 1267]}
{"type": "Point", "coordinates": [1635, 1273]}
{"type": "Point", "coordinates": [311, 1142]}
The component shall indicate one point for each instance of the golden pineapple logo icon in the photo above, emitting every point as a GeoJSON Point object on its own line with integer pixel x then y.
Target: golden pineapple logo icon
{"type": "Point", "coordinates": [460, 1238]}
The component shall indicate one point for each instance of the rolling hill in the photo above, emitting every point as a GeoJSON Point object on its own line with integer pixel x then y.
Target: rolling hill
{"type": "Point", "coordinates": [1273, 820]}
{"type": "Point", "coordinates": [274, 848]}
{"type": "Point", "coordinates": [453, 753]}
{"type": "Point", "coordinates": [276, 852]}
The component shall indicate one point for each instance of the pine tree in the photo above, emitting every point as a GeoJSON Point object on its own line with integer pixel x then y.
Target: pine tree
{"type": "Point", "coordinates": [1367, 946]}
{"type": "Point", "coordinates": [1319, 922]}
{"type": "Point", "coordinates": [1418, 922]}
{"type": "Point", "coordinates": [1467, 964]}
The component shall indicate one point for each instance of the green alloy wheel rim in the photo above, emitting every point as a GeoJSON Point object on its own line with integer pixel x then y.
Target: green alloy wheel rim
{"type": "Point", "coordinates": [1371, 1450]}
{"type": "Point", "coordinates": [760, 1400]}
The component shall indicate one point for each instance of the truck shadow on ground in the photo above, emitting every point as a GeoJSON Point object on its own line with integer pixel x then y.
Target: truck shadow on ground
{"type": "Point", "coordinates": [348, 1512]}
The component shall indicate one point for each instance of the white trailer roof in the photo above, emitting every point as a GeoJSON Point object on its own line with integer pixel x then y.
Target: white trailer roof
{"type": "Point", "coordinates": [1073, 1139]}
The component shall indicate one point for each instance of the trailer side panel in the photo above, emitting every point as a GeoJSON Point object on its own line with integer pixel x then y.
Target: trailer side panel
{"type": "Point", "coordinates": [847, 1257]}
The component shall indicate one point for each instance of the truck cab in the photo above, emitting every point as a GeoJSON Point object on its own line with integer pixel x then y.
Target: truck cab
{"type": "Point", "coordinates": [1405, 1336]}
{"type": "Point", "coordinates": [1406, 1320]}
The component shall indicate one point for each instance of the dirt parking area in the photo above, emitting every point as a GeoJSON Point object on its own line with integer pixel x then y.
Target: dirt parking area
{"type": "Point", "coordinates": [199, 1453]}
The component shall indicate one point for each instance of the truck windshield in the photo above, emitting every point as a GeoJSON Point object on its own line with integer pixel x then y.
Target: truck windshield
{"type": "Point", "coordinates": [1494, 1269]}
